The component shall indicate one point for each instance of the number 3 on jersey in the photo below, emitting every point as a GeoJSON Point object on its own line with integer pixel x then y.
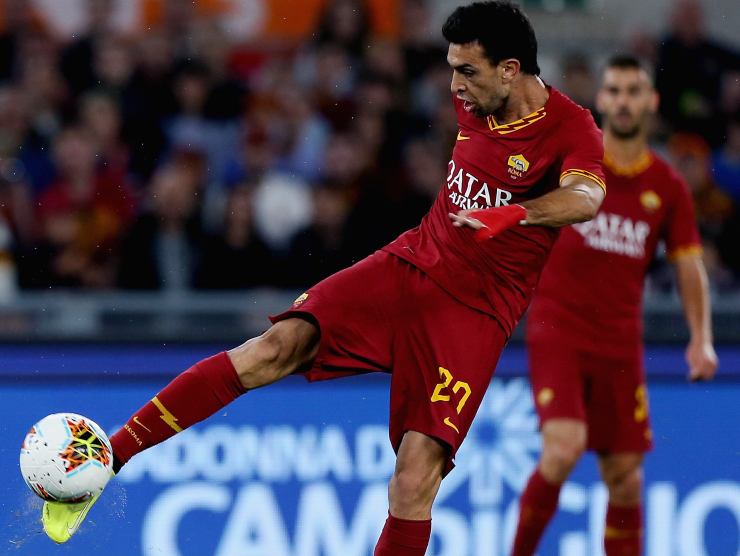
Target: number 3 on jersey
{"type": "Point", "coordinates": [442, 389]}
{"type": "Point", "coordinates": [641, 408]}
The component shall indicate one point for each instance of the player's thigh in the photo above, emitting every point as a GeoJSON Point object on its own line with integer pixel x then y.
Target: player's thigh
{"type": "Point", "coordinates": [444, 356]}
{"type": "Point", "coordinates": [617, 405]}
{"type": "Point", "coordinates": [353, 310]}
{"type": "Point", "coordinates": [556, 373]}
{"type": "Point", "coordinates": [283, 349]}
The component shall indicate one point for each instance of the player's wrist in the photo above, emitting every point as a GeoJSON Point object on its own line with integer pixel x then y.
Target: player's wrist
{"type": "Point", "coordinates": [498, 219]}
{"type": "Point", "coordinates": [523, 215]}
{"type": "Point", "coordinates": [701, 338]}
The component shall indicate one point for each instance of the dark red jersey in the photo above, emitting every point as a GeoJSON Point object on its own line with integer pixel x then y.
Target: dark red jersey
{"type": "Point", "coordinates": [494, 165]}
{"type": "Point", "coordinates": [594, 278]}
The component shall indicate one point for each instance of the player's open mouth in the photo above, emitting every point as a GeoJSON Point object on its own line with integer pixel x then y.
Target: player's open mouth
{"type": "Point", "coordinates": [468, 106]}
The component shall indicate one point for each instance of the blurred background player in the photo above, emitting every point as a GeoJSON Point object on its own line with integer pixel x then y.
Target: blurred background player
{"type": "Point", "coordinates": [425, 308]}
{"type": "Point", "coordinates": [584, 328]}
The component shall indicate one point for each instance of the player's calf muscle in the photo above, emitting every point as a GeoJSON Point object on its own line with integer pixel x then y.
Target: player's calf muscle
{"type": "Point", "coordinates": [283, 349]}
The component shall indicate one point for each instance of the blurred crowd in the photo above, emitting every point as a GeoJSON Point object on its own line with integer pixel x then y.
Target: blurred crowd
{"type": "Point", "coordinates": [179, 158]}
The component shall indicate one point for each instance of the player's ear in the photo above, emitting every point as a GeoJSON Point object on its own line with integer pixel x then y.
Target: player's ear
{"type": "Point", "coordinates": [509, 69]}
{"type": "Point", "coordinates": [654, 101]}
{"type": "Point", "coordinates": [600, 108]}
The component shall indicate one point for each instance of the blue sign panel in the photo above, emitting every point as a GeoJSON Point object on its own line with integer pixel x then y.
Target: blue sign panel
{"type": "Point", "coordinates": [301, 470]}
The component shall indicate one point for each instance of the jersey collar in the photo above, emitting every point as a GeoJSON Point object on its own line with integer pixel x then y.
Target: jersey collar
{"type": "Point", "coordinates": [537, 115]}
{"type": "Point", "coordinates": [642, 163]}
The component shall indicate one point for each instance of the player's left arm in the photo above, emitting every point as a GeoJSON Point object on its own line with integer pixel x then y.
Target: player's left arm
{"type": "Point", "coordinates": [576, 200]}
{"type": "Point", "coordinates": [683, 243]}
{"type": "Point", "coordinates": [693, 286]}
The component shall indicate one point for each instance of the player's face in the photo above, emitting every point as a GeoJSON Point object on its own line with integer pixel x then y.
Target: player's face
{"type": "Point", "coordinates": [481, 86]}
{"type": "Point", "coordinates": [626, 101]}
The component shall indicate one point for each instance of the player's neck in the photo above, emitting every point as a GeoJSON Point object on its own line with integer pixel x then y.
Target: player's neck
{"type": "Point", "coordinates": [624, 153]}
{"type": "Point", "coordinates": [529, 95]}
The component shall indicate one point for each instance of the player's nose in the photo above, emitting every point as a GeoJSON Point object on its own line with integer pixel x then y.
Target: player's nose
{"type": "Point", "coordinates": [456, 85]}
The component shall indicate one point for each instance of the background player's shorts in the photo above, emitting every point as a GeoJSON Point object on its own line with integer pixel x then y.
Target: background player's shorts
{"type": "Point", "coordinates": [383, 314]}
{"type": "Point", "coordinates": [606, 391]}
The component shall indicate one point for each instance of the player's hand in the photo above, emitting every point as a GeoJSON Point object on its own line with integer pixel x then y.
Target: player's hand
{"type": "Point", "coordinates": [488, 223]}
{"type": "Point", "coordinates": [702, 360]}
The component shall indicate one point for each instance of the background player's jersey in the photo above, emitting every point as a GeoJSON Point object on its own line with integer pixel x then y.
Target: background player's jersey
{"type": "Point", "coordinates": [494, 165]}
{"type": "Point", "coordinates": [594, 278]}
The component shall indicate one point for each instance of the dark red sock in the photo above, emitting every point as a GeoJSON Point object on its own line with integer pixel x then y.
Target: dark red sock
{"type": "Point", "coordinates": [404, 537]}
{"type": "Point", "coordinates": [194, 395]}
{"type": "Point", "coordinates": [537, 505]}
{"type": "Point", "coordinates": [623, 532]}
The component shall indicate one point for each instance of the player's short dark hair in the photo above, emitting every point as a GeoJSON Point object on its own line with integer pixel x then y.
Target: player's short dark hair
{"type": "Point", "coordinates": [628, 62]}
{"type": "Point", "coordinates": [625, 61]}
{"type": "Point", "coordinates": [501, 28]}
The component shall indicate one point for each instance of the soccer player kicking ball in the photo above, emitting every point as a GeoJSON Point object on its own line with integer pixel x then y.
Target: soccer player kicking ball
{"type": "Point", "coordinates": [436, 306]}
{"type": "Point", "coordinates": [584, 328]}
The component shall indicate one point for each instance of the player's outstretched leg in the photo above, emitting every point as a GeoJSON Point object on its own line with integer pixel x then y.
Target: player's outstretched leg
{"type": "Point", "coordinates": [622, 474]}
{"type": "Point", "coordinates": [419, 467]}
{"type": "Point", "coordinates": [194, 395]}
{"type": "Point", "coordinates": [563, 443]}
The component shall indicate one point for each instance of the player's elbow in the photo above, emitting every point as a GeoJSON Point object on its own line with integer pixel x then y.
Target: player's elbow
{"type": "Point", "coordinates": [590, 201]}
{"type": "Point", "coordinates": [591, 206]}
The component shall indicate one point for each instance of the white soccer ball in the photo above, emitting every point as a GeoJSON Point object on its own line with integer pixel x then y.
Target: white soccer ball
{"type": "Point", "coordinates": [66, 457]}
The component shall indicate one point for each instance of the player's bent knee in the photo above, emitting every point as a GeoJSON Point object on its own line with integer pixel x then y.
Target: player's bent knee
{"type": "Point", "coordinates": [627, 490]}
{"type": "Point", "coordinates": [418, 474]}
{"type": "Point", "coordinates": [411, 493]}
{"type": "Point", "coordinates": [560, 456]}
{"type": "Point", "coordinates": [412, 485]}
{"type": "Point", "coordinates": [564, 452]}
{"type": "Point", "coordinates": [624, 485]}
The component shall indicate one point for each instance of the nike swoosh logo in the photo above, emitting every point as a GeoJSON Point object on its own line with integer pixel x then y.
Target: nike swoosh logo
{"type": "Point", "coordinates": [450, 424]}
{"type": "Point", "coordinates": [136, 420]}
{"type": "Point", "coordinates": [461, 137]}
{"type": "Point", "coordinates": [78, 519]}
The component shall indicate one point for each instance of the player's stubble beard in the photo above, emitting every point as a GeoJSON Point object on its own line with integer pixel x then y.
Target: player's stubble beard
{"type": "Point", "coordinates": [626, 132]}
{"type": "Point", "coordinates": [496, 104]}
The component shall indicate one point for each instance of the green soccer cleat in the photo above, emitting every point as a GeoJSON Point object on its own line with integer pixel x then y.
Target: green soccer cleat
{"type": "Point", "coordinates": [61, 520]}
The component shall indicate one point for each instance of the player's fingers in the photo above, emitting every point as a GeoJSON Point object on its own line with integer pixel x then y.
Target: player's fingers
{"type": "Point", "coordinates": [701, 373]}
{"type": "Point", "coordinates": [708, 370]}
{"type": "Point", "coordinates": [483, 234]}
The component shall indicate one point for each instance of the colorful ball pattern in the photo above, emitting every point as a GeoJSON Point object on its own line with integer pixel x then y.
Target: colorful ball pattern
{"type": "Point", "coordinates": [66, 457]}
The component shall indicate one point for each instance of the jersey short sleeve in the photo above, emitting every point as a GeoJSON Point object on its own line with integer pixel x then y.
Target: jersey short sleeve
{"type": "Point", "coordinates": [583, 152]}
{"type": "Point", "coordinates": [681, 235]}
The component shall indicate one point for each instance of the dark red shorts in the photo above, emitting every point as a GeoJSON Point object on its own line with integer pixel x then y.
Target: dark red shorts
{"type": "Point", "coordinates": [606, 391]}
{"type": "Point", "coordinates": [383, 314]}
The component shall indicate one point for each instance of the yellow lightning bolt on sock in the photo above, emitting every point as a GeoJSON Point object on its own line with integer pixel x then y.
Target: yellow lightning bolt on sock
{"type": "Point", "coordinates": [166, 416]}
